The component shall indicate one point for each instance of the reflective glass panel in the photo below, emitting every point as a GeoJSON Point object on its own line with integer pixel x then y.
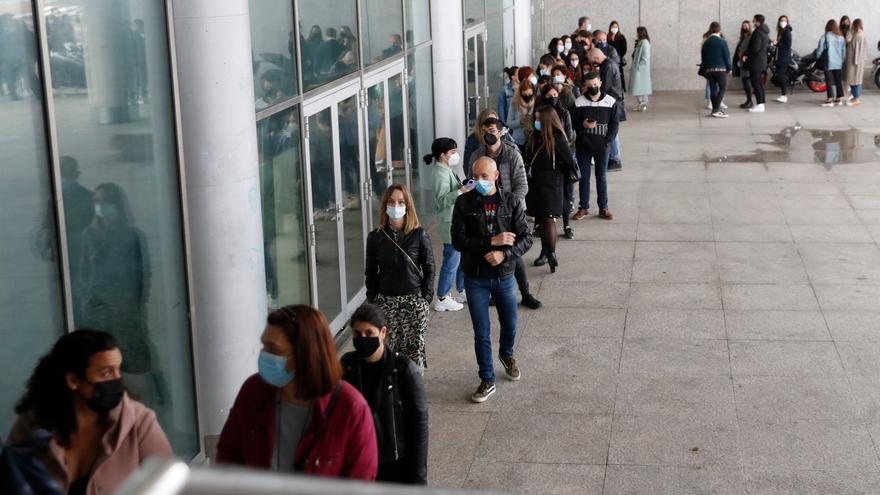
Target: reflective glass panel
{"type": "Point", "coordinates": [284, 234]}
{"type": "Point", "coordinates": [495, 59]}
{"type": "Point", "coordinates": [353, 227]}
{"type": "Point", "coordinates": [474, 10]}
{"type": "Point", "coordinates": [115, 121]}
{"type": "Point", "coordinates": [397, 129]}
{"type": "Point", "coordinates": [328, 40]}
{"type": "Point", "coordinates": [376, 145]}
{"type": "Point", "coordinates": [420, 96]}
{"type": "Point", "coordinates": [273, 48]}
{"type": "Point", "coordinates": [324, 214]}
{"type": "Point", "coordinates": [473, 99]}
{"type": "Point", "coordinates": [31, 313]}
{"type": "Point", "coordinates": [418, 21]}
{"type": "Point", "coordinates": [383, 29]}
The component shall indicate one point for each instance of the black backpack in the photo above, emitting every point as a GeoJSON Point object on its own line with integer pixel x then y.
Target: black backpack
{"type": "Point", "coordinates": [21, 473]}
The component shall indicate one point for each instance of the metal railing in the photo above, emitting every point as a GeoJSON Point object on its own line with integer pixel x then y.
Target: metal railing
{"type": "Point", "coordinates": [160, 477]}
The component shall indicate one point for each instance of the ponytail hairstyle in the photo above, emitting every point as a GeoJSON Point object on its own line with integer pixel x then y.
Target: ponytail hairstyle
{"type": "Point", "coordinates": [438, 147]}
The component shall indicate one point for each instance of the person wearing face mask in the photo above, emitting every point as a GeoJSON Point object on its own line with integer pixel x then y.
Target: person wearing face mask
{"type": "Point", "coordinates": [99, 435]}
{"type": "Point", "coordinates": [400, 272]}
{"type": "Point", "coordinates": [551, 99]}
{"type": "Point", "coordinates": [583, 44]}
{"type": "Point", "coordinates": [783, 55]}
{"type": "Point", "coordinates": [567, 46]}
{"type": "Point", "coordinates": [563, 85]}
{"type": "Point", "coordinates": [612, 84]}
{"type": "Point", "coordinates": [511, 178]}
{"type": "Point", "coordinates": [600, 41]}
{"type": "Point", "coordinates": [489, 228]}
{"type": "Point", "coordinates": [296, 414]}
{"type": "Point", "coordinates": [640, 78]}
{"type": "Point", "coordinates": [715, 64]}
{"type": "Point", "coordinates": [546, 64]}
{"type": "Point", "coordinates": [555, 50]}
{"type": "Point", "coordinates": [573, 64]}
{"type": "Point", "coordinates": [596, 122]}
{"type": "Point", "coordinates": [618, 41]}
{"type": "Point", "coordinates": [520, 114]}
{"type": "Point", "coordinates": [392, 386]}
{"type": "Point", "coordinates": [446, 188]}
{"type": "Point", "coordinates": [755, 60]}
{"type": "Point", "coordinates": [505, 96]}
{"type": "Point", "coordinates": [745, 36]}
{"type": "Point", "coordinates": [462, 169]}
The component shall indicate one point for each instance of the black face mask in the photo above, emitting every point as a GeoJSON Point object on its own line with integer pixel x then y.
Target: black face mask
{"type": "Point", "coordinates": [365, 346]}
{"type": "Point", "coordinates": [552, 101]}
{"type": "Point", "coordinates": [107, 395]}
{"type": "Point", "coordinates": [490, 139]}
{"type": "Point", "coordinates": [592, 91]}
{"type": "Point", "coordinates": [527, 98]}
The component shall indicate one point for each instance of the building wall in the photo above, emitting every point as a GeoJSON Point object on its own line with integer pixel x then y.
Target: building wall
{"type": "Point", "coordinates": [677, 26]}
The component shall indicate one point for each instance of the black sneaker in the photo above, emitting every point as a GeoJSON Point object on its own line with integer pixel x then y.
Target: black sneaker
{"type": "Point", "coordinates": [510, 367]}
{"type": "Point", "coordinates": [569, 233]}
{"type": "Point", "coordinates": [484, 391]}
{"type": "Point", "coordinates": [747, 105]}
{"type": "Point", "coordinates": [530, 302]}
{"type": "Point", "coordinates": [615, 165]}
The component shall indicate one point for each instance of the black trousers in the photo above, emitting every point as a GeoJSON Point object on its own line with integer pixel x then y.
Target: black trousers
{"type": "Point", "coordinates": [782, 78]}
{"type": "Point", "coordinates": [747, 86]}
{"type": "Point", "coordinates": [717, 88]}
{"type": "Point", "coordinates": [758, 86]}
{"type": "Point", "coordinates": [834, 77]}
{"type": "Point", "coordinates": [522, 280]}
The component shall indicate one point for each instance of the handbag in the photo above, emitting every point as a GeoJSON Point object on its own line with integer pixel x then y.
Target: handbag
{"type": "Point", "coordinates": [701, 71]}
{"type": "Point", "coordinates": [822, 58]}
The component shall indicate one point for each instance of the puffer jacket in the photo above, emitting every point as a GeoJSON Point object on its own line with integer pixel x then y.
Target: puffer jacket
{"type": "Point", "coordinates": [390, 272]}
{"type": "Point", "coordinates": [511, 167]}
{"type": "Point", "coordinates": [400, 411]}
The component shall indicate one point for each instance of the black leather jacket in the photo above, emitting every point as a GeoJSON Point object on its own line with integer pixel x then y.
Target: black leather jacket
{"type": "Point", "coordinates": [400, 411]}
{"type": "Point", "coordinates": [390, 273]}
{"type": "Point", "coordinates": [470, 238]}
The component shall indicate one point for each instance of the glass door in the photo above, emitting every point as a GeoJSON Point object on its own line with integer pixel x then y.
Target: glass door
{"type": "Point", "coordinates": [477, 82]}
{"type": "Point", "coordinates": [337, 220]}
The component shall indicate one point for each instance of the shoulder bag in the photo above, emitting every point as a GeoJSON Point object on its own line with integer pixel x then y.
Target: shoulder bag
{"type": "Point", "coordinates": [414, 264]}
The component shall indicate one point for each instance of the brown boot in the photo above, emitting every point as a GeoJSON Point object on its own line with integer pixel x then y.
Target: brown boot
{"type": "Point", "coordinates": [581, 214]}
{"type": "Point", "coordinates": [606, 214]}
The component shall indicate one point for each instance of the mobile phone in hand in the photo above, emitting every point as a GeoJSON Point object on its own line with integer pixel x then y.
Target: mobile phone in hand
{"type": "Point", "coordinates": [470, 184]}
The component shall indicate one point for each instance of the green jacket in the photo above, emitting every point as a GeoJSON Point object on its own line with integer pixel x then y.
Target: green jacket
{"type": "Point", "coordinates": [445, 185]}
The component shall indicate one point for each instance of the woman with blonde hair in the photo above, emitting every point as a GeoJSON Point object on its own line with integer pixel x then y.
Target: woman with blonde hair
{"type": "Point", "coordinates": [400, 272]}
{"type": "Point", "coordinates": [520, 113]}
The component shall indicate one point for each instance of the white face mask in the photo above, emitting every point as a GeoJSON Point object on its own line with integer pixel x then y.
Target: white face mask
{"type": "Point", "coordinates": [560, 48]}
{"type": "Point", "coordinates": [395, 212]}
{"type": "Point", "coordinates": [614, 30]}
{"type": "Point", "coordinates": [589, 27]}
{"type": "Point", "coordinates": [783, 24]}
{"type": "Point", "coordinates": [534, 80]}
{"type": "Point", "coordinates": [558, 79]}
{"type": "Point", "coordinates": [568, 45]}
{"type": "Point", "coordinates": [454, 159]}
{"type": "Point", "coordinates": [574, 63]}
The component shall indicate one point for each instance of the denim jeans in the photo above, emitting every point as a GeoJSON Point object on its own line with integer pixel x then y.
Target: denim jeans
{"type": "Point", "coordinates": [707, 95]}
{"type": "Point", "coordinates": [856, 90]}
{"type": "Point", "coordinates": [615, 149]}
{"type": "Point", "coordinates": [718, 83]}
{"type": "Point", "coordinates": [503, 292]}
{"type": "Point", "coordinates": [600, 158]}
{"type": "Point", "coordinates": [450, 270]}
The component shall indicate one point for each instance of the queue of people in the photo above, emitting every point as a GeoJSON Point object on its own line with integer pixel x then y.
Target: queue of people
{"type": "Point", "coordinates": [841, 54]}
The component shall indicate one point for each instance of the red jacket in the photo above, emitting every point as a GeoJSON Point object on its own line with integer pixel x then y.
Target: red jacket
{"type": "Point", "coordinates": [344, 448]}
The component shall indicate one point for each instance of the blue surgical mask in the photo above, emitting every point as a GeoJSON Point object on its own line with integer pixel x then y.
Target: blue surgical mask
{"type": "Point", "coordinates": [537, 125]}
{"type": "Point", "coordinates": [484, 186]}
{"type": "Point", "coordinates": [602, 44]}
{"type": "Point", "coordinates": [395, 212]}
{"type": "Point", "coordinates": [273, 369]}
{"type": "Point", "coordinates": [543, 72]}
{"type": "Point", "coordinates": [533, 80]}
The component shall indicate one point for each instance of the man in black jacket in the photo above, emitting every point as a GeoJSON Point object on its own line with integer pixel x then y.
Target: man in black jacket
{"type": "Point", "coordinates": [596, 121]}
{"type": "Point", "coordinates": [489, 229]}
{"type": "Point", "coordinates": [612, 84]}
{"type": "Point", "coordinates": [755, 60]}
{"type": "Point", "coordinates": [392, 385]}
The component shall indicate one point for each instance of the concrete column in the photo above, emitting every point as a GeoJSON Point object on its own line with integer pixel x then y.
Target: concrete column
{"type": "Point", "coordinates": [522, 18]}
{"type": "Point", "coordinates": [107, 63]}
{"type": "Point", "coordinates": [212, 39]}
{"type": "Point", "coordinates": [450, 118]}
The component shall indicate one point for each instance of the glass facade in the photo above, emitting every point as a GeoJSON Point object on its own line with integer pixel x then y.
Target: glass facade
{"type": "Point", "coordinates": [383, 29]}
{"type": "Point", "coordinates": [31, 309]}
{"type": "Point", "coordinates": [273, 46]}
{"type": "Point", "coordinates": [329, 38]}
{"type": "Point", "coordinates": [420, 91]}
{"type": "Point", "coordinates": [418, 22]}
{"type": "Point", "coordinates": [474, 11]}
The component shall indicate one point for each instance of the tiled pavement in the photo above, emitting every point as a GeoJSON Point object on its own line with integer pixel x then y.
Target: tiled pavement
{"type": "Point", "coordinates": [721, 335]}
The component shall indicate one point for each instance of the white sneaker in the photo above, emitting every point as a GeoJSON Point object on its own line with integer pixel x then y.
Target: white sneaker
{"type": "Point", "coordinates": [723, 106]}
{"type": "Point", "coordinates": [461, 298]}
{"type": "Point", "coordinates": [721, 114]}
{"type": "Point", "coordinates": [827, 104]}
{"type": "Point", "coordinates": [782, 99]}
{"type": "Point", "coordinates": [839, 102]}
{"type": "Point", "coordinates": [757, 108]}
{"type": "Point", "coordinates": [447, 304]}
{"type": "Point", "coordinates": [709, 104]}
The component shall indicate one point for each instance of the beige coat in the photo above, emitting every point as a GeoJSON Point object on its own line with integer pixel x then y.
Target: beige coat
{"type": "Point", "coordinates": [133, 437]}
{"type": "Point", "coordinates": [856, 59]}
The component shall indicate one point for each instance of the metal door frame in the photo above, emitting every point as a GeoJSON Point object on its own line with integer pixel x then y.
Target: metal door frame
{"type": "Point", "coordinates": [383, 75]}
{"type": "Point", "coordinates": [481, 80]}
{"type": "Point", "coordinates": [329, 99]}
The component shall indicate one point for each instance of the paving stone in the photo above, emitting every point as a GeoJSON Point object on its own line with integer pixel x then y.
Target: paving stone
{"type": "Point", "coordinates": [776, 325]}
{"type": "Point", "coordinates": [673, 323]}
{"type": "Point", "coordinates": [674, 232]}
{"type": "Point", "coordinates": [706, 397]}
{"type": "Point", "coordinates": [859, 326]}
{"type": "Point", "coordinates": [539, 479]}
{"type": "Point", "coordinates": [750, 296]}
{"type": "Point", "coordinates": [633, 480]}
{"type": "Point", "coordinates": [733, 251]}
{"type": "Point", "coordinates": [562, 294]}
{"type": "Point", "coordinates": [687, 357]}
{"type": "Point", "coordinates": [679, 296]}
{"type": "Point", "coordinates": [831, 233]}
{"type": "Point", "coordinates": [453, 442]}
{"type": "Point", "coordinates": [579, 323]}
{"type": "Point", "coordinates": [774, 399]}
{"type": "Point", "coordinates": [807, 445]}
{"type": "Point", "coordinates": [848, 297]}
{"type": "Point", "coordinates": [844, 273]}
{"type": "Point", "coordinates": [562, 355]}
{"type": "Point", "coordinates": [545, 438]}
{"type": "Point", "coordinates": [792, 358]}
{"type": "Point", "coordinates": [691, 251]}
{"type": "Point", "coordinates": [763, 271]}
{"type": "Point", "coordinates": [752, 233]}
{"type": "Point", "coordinates": [800, 482]}
{"type": "Point", "coordinates": [675, 271]}
{"type": "Point", "coordinates": [649, 441]}
{"type": "Point", "coordinates": [860, 358]}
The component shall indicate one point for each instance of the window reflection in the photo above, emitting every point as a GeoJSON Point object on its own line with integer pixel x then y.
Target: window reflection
{"type": "Point", "coordinates": [110, 72]}
{"type": "Point", "coordinates": [328, 40]}
{"type": "Point", "coordinates": [274, 51]}
{"type": "Point", "coordinates": [383, 21]}
{"type": "Point", "coordinates": [420, 96]}
{"type": "Point", "coordinates": [31, 312]}
{"type": "Point", "coordinates": [418, 21]}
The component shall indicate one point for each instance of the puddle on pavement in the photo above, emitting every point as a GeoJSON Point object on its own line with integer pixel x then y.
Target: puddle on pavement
{"type": "Point", "coordinates": [799, 145]}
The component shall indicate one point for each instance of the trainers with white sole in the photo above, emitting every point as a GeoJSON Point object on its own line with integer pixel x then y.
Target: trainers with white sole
{"type": "Point", "coordinates": [723, 106]}
{"type": "Point", "coordinates": [461, 298]}
{"type": "Point", "coordinates": [447, 304]}
{"type": "Point", "coordinates": [782, 99]}
{"type": "Point", "coordinates": [757, 108]}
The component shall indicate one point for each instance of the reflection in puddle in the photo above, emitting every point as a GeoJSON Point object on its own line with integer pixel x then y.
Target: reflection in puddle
{"type": "Point", "coordinates": [799, 145]}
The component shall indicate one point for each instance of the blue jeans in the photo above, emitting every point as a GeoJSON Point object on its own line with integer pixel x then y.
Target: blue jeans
{"type": "Point", "coordinates": [600, 158]}
{"type": "Point", "coordinates": [450, 270]}
{"type": "Point", "coordinates": [707, 95]}
{"type": "Point", "coordinates": [503, 292]}
{"type": "Point", "coordinates": [856, 90]}
{"type": "Point", "coordinates": [615, 149]}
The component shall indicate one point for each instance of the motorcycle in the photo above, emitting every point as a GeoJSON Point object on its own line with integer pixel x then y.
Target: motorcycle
{"type": "Point", "coordinates": [802, 71]}
{"type": "Point", "coordinates": [876, 72]}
